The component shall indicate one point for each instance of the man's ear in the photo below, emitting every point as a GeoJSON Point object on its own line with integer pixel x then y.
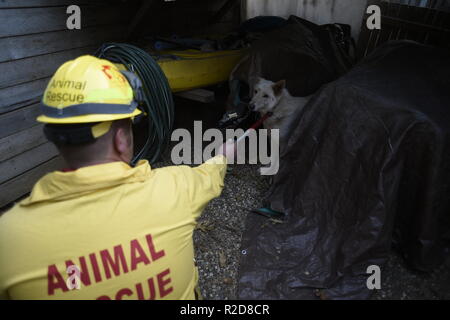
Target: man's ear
{"type": "Point", "coordinates": [122, 136]}
{"type": "Point", "coordinates": [121, 141]}
{"type": "Point", "coordinates": [278, 87]}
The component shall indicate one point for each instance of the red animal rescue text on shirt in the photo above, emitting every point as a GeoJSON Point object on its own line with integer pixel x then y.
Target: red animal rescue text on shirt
{"type": "Point", "coordinates": [114, 263]}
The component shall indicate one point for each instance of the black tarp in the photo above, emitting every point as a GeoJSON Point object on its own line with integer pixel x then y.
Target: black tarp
{"type": "Point", "coordinates": [304, 54]}
{"type": "Point", "coordinates": [367, 168]}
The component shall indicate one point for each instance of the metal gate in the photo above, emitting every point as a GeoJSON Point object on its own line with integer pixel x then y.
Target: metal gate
{"type": "Point", "coordinates": [424, 21]}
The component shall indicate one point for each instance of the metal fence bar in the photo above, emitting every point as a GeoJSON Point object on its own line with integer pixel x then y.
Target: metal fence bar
{"type": "Point", "coordinates": [424, 21]}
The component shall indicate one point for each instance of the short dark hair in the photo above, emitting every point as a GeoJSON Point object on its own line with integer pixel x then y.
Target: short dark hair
{"type": "Point", "coordinates": [91, 149]}
{"type": "Point", "coordinates": [70, 134]}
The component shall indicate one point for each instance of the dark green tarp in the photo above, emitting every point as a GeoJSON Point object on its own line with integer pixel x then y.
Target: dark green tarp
{"type": "Point", "coordinates": [367, 168]}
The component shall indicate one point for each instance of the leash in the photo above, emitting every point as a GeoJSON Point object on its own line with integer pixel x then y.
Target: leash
{"type": "Point", "coordinates": [255, 126]}
{"type": "Point", "coordinates": [275, 216]}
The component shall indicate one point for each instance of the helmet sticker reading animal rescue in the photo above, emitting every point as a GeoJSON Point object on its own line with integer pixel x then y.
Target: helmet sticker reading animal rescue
{"type": "Point", "coordinates": [77, 97]}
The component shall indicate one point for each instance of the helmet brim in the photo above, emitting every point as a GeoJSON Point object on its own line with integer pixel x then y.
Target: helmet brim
{"type": "Point", "coordinates": [88, 118]}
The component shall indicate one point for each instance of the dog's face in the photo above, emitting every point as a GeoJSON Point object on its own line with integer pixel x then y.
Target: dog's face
{"type": "Point", "coordinates": [266, 95]}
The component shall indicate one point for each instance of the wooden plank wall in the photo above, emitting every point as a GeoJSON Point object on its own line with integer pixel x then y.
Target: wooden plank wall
{"type": "Point", "coordinates": [424, 21]}
{"type": "Point", "coordinates": [34, 42]}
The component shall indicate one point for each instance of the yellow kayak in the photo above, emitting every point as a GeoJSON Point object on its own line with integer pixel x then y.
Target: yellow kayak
{"type": "Point", "coordinates": [197, 69]}
{"type": "Point", "coordinates": [191, 69]}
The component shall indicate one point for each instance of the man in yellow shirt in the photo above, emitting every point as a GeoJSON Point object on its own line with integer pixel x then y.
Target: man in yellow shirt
{"type": "Point", "coordinates": [103, 229]}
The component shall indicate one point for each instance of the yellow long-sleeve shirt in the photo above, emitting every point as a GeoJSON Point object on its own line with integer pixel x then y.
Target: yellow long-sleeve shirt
{"type": "Point", "coordinates": [118, 232]}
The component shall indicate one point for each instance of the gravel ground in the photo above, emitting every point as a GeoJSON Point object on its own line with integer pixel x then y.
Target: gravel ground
{"type": "Point", "coordinates": [400, 283]}
{"type": "Point", "coordinates": [218, 235]}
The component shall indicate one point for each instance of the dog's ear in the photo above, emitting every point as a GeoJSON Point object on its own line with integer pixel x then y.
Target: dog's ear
{"type": "Point", "coordinates": [278, 87]}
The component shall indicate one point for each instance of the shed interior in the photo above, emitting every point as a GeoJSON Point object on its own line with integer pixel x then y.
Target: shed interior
{"type": "Point", "coordinates": [35, 42]}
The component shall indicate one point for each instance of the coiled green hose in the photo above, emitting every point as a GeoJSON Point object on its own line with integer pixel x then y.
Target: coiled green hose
{"type": "Point", "coordinates": [158, 100]}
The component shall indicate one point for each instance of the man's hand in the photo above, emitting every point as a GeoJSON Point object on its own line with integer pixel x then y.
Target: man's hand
{"type": "Point", "coordinates": [228, 149]}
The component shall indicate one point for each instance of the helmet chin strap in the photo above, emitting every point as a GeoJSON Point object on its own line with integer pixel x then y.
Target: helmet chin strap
{"type": "Point", "coordinates": [101, 129]}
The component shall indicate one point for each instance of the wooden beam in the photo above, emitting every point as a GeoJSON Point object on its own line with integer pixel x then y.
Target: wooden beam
{"type": "Point", "coordinates": [25, 21]}
{"type": "Point", "coordinates": [46, 3]}
{"type": "Point", "coordinates": [228, 5]}
{"type": "Point", "coordinates": [22, 95]}
{"type": "Point", "coordinates": [33, 68]}
{"type": "Point", "coordinates": [140, 14]}
{"type": "Point", "coordinates": [200, 95]}
{"type": "Point", "coordinates": [21, 185]}
{"type": "Point", "coordinates": [14, 48]}
{"type": "Point", "coordinates": [20, 142]}
{"type": "Point", "coordinates": [19, 120]}
{"type": "Point", "coordinates": [26, 161]}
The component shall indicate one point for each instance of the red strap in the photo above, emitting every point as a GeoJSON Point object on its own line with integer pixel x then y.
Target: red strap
{"type": "Point", "coordinates": [261, 121]}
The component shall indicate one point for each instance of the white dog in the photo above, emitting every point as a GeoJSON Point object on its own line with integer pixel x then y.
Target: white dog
{"type": "Point", "coordinates": [271, 97]}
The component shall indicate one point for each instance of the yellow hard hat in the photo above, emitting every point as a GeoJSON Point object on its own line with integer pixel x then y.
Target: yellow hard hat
{"type": "Point", "coordinates": [87, 90]}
